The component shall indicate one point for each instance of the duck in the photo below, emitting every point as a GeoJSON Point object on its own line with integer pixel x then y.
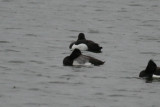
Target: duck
{"type": "Point", "coordinates": [151, 71]}
{"type": "Point", "coordinates": [85, 45]}
{"type": "Point", "coordinates": [77, 58]}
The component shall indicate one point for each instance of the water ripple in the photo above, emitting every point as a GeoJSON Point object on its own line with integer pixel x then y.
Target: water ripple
{"type": "Point", "coordinates": [68, 76]}
{"type": "Point", "coordinates": [4, 42]}
{"type": "Point", "coordinates": [150, 53]}
{"type": "Point", "coordinates": [99, 93]}
{"type": "Point", "coordinates": [99, 77]}
{"type": "Point", "coordinates": [36, 104]}
{"type": "Point", "coordinates": [7, 0]}
{"type": "Point", "coordinates": [12, 28]}
{"type": "Point", "coordinates": [64, 82]}
{"type": "Point", "coordinates": [117, 95]}
{"type": "Point", "coordinates": [5, 68]}
{"type": "Point", "coordinates": [16, 61]}
{"type": "Point", "coordinates": [11, 50]}
{"type": "Point", "coordinates": [37, 62]}
{"type": "Point", "coordinates": [93, 31]}
{"type": "Point", "coordinates": [75, 31]}
{"type": "Point", "coordinates": [58, 82]}
{"type": "Point", "coordinates": [135, 5]}
{"type": "Point", "coordinates": [31, 35]}
{"type": "Point", "coordinates": [34, 89]}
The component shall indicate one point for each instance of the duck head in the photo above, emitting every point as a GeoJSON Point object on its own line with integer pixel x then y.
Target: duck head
{"type": "Point", "coordinates": [81, 36]}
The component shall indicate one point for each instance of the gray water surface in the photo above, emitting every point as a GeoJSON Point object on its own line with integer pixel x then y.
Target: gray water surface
{"type": "Point", "coordinates": [34, 39]}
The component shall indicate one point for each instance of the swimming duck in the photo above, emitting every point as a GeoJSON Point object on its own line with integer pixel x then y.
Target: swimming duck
{"type": "Point", "coordinates": [77, 58]}
{"type": "Point", "coordinates": [151, 71]}
{"type": "Point", "coordinates": [85, 45]}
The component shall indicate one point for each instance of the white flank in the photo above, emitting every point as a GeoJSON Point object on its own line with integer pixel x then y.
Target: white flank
{"type": "Point", "coordinates": [88, 64]}
{"type": "Point", "coordinates": [82, 60]}
{"type": "Point", "coordinates": [156, 76]}
{"type": "Point", "coordinates": [76, 63]}
{"type": "Point", "coordinates": [82, 47]}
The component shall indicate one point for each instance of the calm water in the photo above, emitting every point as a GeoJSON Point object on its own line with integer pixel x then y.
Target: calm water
{"type": "Point", "coordinates": [34, 39]}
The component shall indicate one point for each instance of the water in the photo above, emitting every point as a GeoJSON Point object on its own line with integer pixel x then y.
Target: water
{"type": "Point", "coordinates": [35, 37]}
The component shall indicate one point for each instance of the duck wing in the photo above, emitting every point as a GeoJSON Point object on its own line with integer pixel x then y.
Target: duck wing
{"type": "Point", "coordinates": [95, 61]}
{"type": "Point", "coordinates": [157, 72]}
{"type": "Point", "coordinates": [92, 46]}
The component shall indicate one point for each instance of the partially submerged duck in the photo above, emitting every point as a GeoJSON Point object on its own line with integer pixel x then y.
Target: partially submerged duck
{"type": "Point", "coordinates": [151, 71]}
{"type": "Point", "coordinates": [77, 58]}
{"type": "Point", "coordinates": [85, 45]}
